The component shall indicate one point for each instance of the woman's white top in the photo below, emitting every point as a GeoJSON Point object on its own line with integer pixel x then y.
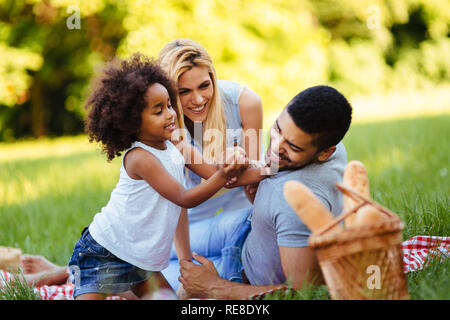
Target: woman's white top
{"type": "Point", "coordinates": [138, 224]}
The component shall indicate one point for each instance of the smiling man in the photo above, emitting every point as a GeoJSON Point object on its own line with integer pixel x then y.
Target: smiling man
{"type": "Point", "coordinates": [305, 145]}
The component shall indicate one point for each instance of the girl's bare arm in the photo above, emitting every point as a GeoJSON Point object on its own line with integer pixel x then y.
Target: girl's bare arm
{"type": "Point", "coordinates": [181, 240]}
{"type": "Point", "coordinates": [140, 164]}
{"type": "Point", "coordinates": [194, 160]}
{"type": "Point", "coordinates": [250, 176]}
{"type": "Point", "coordinates": [202, 167]}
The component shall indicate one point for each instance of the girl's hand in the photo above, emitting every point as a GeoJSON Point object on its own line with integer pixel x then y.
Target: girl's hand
{"type": "Point", "coordinates": [234, 165]}
{"type": "Point", "coordinates": [232, 153]}
{"type": "Point", "coordinates": [230, 182]}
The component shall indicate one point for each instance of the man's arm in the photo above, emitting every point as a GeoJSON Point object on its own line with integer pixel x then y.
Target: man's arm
{"type": "Point", "coordinates": [203, 281]}
{"type": "Point", "coordinates": [298, 261]}
{"type": "Point", "coordinates": [300, 266]}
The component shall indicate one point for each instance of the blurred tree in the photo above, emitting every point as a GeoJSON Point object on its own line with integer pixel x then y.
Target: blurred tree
{"type": "Point", "coordinates": [379, 45]}
{"type": "Point", "coordinates": [276, 47]}
{"type": "Point", "coordinates": [53, 63]}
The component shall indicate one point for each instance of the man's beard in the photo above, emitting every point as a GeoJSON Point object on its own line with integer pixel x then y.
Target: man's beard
{"type": "Point", "coordinates": [287, 166]}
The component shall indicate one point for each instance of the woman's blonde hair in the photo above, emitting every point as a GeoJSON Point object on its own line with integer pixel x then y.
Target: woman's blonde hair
{"type": "Point", "coordinates": [179, 56]}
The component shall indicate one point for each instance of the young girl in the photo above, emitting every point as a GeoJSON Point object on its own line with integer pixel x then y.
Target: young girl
{"type": "Point", "coordinates": [133, 110]}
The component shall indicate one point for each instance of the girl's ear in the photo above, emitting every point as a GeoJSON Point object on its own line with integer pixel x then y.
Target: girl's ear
{"type": "Point", "coordinates": [325, 154]}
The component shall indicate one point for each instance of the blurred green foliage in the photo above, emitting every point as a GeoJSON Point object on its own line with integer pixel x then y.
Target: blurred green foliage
{"type": "Point", "coordinates": [275, 47]}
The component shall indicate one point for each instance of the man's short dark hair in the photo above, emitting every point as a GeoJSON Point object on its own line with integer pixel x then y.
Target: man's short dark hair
{"type": "Point", "coordinates": [321, 111]}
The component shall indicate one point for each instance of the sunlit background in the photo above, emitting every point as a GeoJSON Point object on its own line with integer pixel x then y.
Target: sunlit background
{"type": "Point", "coordinates": [390, 58]}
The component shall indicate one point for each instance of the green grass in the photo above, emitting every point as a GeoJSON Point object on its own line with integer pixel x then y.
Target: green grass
{"type": "Point", "coordinates": [408, 163]}
{"type": "Point", "coordinates": [18, 289]}
{"type": "Point", "coordinates": [51, 189]}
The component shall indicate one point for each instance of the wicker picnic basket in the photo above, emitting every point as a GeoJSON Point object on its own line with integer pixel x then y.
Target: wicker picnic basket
{"type": "Point", "coordinates": [363, 262]}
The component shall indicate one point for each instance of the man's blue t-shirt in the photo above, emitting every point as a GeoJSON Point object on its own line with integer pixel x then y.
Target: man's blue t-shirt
{"type": "Point", "coordinates": [275, 223]}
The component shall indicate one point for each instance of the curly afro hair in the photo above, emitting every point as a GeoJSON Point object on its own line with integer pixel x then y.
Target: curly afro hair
{"type": "Point", "coordinates": [118, 99]}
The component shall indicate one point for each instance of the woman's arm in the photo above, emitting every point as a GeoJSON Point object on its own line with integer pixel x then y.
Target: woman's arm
{"type": "Point", "coordinates": [251, 111]}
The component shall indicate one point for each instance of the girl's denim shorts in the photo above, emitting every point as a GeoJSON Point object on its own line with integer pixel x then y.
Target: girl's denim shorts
{"type": "Point", "coordinates": [94, 269]}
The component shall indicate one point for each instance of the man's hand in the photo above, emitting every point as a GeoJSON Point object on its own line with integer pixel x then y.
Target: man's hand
{"type": "Point", "coordinates": [203, 281]}
{"type": "Point", "coordinates": [198, 280]}
{"type": "Point", "coordinates": [250, 191]}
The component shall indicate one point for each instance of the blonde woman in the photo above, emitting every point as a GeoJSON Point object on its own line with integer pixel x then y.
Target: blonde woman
{"type": "Point", "coordinates": [216, 114]}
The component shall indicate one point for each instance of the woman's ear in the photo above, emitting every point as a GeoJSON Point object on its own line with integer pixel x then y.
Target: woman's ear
{"type": "Point", "coordinates": [325, 154]}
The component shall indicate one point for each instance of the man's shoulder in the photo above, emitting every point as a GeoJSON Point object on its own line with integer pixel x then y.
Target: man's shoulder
{"type": "Point", "coordinates": [274, 185]}
{"type": "Point", "coordinates": [325, 172]}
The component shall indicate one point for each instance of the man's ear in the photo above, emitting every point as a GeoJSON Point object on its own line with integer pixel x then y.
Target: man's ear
{"type": "Point", "coordinates": [325, 154]}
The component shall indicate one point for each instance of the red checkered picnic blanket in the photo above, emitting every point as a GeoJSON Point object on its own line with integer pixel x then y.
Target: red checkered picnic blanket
{"type": "Point", "coordinates": [417, 252]}
{"type": "Point", "coordinates": [56, 292]}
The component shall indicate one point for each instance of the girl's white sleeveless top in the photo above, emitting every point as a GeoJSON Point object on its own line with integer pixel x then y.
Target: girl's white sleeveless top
{"type": "Point", "coordinates": [138, 224]}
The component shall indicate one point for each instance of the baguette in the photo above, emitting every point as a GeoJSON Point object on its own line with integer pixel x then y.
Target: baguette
{"type": "Point", "coordinates": [355, 177]}
{"type": "Point", "coordinates": [368, 215]}
{"type": "Point", "coordinates": [307, 206]}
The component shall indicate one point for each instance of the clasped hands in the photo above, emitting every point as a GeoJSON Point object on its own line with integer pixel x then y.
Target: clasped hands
{"type": "Point", "coordinates": [234, 161]}
{"type": "Point", "coordinates": [241, 158]}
